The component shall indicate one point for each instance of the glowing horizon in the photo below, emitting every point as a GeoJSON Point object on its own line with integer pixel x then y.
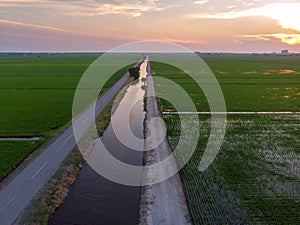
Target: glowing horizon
{"type": "Point", "coordinates": [99, 25]}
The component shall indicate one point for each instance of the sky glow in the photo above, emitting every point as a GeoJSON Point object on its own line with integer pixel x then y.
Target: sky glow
{"type": "Point", "coordinates": [99, 25]}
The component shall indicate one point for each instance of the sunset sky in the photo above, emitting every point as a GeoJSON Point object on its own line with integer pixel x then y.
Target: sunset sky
{"type": "Point", "coordinates": [99, 25]}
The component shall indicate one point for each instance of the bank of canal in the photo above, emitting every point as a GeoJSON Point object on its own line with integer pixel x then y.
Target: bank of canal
{"type": "Point", "coordinates": [96, 200]}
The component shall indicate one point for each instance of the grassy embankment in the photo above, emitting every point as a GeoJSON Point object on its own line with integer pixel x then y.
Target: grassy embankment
{"type": "Point", "coordinates": [36, 95]}
{"type": "Point", "coordinates": [255, 178]}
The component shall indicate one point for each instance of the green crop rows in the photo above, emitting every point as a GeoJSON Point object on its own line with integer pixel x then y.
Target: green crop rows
{"type": "Point", "coordinates": [13, 152]}
{"type": "Point", "coordinates": [36, 95]}
{"type": "Point", "coordinates": [255, 177]}
{"type": "Point", "coordinates": [36, 92]}
{"type": "Point", "coordinates": [249, 83]}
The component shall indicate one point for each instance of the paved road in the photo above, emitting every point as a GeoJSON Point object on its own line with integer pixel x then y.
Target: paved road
{"type": "Point", "coordinates": [15, 196]}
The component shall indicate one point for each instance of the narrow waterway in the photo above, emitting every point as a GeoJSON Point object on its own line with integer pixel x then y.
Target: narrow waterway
{"type": "Point", "coordinates": [94, 200]}
{"type": "Point", "coordinates": [21, 138]}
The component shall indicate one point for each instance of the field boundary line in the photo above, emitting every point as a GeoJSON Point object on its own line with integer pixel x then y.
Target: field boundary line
{"type": "Point", "coordinates": [231, 113]}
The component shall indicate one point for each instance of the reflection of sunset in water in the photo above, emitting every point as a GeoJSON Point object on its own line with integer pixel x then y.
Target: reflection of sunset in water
{"type": "Point", "coordinates": [282, 71]}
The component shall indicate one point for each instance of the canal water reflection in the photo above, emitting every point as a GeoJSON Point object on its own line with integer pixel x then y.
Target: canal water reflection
{"type": "Point", "coordinates": [94, 200]}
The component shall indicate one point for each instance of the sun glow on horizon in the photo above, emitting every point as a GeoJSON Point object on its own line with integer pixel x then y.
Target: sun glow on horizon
{"type": "Point", "coordinates": [286, 14]}
{"type": "Point", "coordinates": [290, 39]}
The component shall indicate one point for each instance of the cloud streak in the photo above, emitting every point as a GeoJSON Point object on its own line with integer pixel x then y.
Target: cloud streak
{"type": "Point", "coordinates": [16, 23]}
{"type": "Point", "coordinates": [290, 39]}
{"type": "Point", "coordinates": [127, 9]}
{"type": "Point", "coordinates": [181, 41]}
{"type": "Point", "coordinates": [22, 29]}
{"type": "Point", "coordinates": [34, 29]}
{"type": "Point", "coordinates": [201, 2]}
{"type": "Point", "coordinates": [89, 8]}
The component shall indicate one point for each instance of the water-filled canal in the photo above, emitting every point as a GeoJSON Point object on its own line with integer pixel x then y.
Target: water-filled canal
{"type": "Point", "coordinates": [96, 200]}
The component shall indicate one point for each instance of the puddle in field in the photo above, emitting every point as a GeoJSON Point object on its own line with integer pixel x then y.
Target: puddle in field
{"type": "Point", "coordinates": [21, 139]}
{"type": "Point", "coordinates": [96, 200]}
{"type": "Point", "coordinates": [267, 72]}
{"type": "Point", "coordinates": [250, 72]}
{"type": "Point", "coordinates": [221, 72]}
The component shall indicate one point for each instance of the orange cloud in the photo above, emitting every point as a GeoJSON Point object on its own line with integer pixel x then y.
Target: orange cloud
{"type": "Point", "coordinates": [128, 9]}
{"type": "Point", "coordinates": [181, 41]}
{"type": "Point", "coordinates": [290, 39]}
{"type": "Point", "coordinates": [88, 8]}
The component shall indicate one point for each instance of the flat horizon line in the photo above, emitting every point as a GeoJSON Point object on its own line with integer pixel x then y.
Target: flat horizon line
{"type": "Point", "coordinates": [101, 52]}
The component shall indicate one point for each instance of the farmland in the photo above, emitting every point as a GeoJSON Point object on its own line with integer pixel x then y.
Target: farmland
{"type": "Point", "coordinates": [248, 83]}
{"type": "Point", "coordinates": [255, 177]}
{"type": "Point", "coordinates": [36, 95]}
{"type": "Point", "coordinates": [13, 152]}
{"type": "Point", "coordinates": [37, 92]}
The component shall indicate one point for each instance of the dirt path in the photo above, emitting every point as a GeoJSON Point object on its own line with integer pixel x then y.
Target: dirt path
{"type": "Point", "coordinates": [162, 203]}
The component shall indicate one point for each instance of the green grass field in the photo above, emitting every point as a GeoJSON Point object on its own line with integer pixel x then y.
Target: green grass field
{"type": "Point", "coordinates": [255, 177]}
{"type": "Point", "coordinates": [249, 83]}
{"type": "Point", "coordinates": [36, 96]}
{"type": "Point", "coordinates": [13, 152]}
{"type": "Point", "coordinates": [37, 92]}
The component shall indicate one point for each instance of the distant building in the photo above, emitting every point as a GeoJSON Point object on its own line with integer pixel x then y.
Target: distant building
{"type": "Point", "coordinates": [284, 52]}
